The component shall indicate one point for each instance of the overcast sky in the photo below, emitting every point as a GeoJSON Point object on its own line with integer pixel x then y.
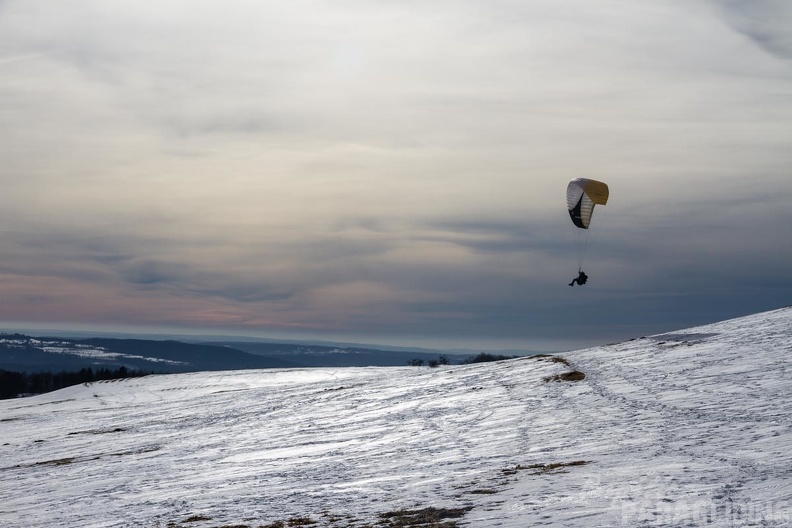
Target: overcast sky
{"type": "Point", "coordinates": [393, 171]}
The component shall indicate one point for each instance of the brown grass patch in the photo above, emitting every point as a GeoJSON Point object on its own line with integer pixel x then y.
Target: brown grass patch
{"type": "Point", "coordinates": [423, 518]}
{"type": "Point", "coordinates": [196, 518]}
{"type": "Point", "coordinates": [98, 431]}
{"type": "Point", "coordinates": [87, 458]}
{"type": "Point", "coordinates": [140, 451]}
{"type": "Point", "coordinates": [574, 375]}
{"type": "Point", "coordinates": [296, 521]}
{"type": "Point", "coordinates": [58, 462]}
{"type": "Point", "coordinates": [541, 469]}
{"type": "Point", "coordinates": [417, 518]}
{"type": "Point", "coordinates": [551, 358]}
{"type": "Point", "coordinates": [300, 521]}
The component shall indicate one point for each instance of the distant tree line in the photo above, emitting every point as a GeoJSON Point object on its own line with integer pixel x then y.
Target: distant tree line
{"type": "Point", "coordinates": [443, 360]}
{"type": "Point", "coordinates": [484, 358]}
{"type": "Point", "coordinates": [433, 363]}
{"type": "Point", "coordinates": [14, 384]}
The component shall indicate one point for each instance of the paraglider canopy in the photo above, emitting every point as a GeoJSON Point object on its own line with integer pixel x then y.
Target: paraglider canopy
{"type": "Point", "coordinates": [582, 195]}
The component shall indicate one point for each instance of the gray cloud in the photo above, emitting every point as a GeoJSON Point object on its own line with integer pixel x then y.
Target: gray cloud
{"type": "Point", "coordinates": [765, 22]}
{"type": "Point", "coordinates": [393, 170]}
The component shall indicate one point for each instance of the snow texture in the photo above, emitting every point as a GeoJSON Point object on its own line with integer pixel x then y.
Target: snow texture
{"type": "Point", "coordinates": [690, 428]}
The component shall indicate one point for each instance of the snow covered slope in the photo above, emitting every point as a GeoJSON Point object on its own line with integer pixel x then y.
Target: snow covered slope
{"type": "Point", "coordinates": [691, 428]}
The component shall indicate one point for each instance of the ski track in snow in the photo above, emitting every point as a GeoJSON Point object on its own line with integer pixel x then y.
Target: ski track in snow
{"type": "Point", "coordinates": [690, 428]}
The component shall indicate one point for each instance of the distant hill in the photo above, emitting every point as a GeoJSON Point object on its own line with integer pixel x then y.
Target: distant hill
{"type": "Point", "coordinates": [337, 356]}
{"type": "Point", "coordinates": [23, 353]}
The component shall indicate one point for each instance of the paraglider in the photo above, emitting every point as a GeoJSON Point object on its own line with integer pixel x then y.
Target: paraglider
{"type": "Point", "coordinates": [582, 195]}
{"type": "Point", "coordinates": [580, 279]}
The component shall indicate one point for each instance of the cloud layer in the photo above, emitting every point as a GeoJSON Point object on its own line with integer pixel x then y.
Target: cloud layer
{"type": "Point", "coordinates": [393, 171]}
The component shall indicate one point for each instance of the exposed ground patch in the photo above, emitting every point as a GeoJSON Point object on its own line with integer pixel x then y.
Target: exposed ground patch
{"type": "Point", "coordinates": [574, 375]}
{"type": "Point", "coordinates": [429, 517]}
{"type": "Point", "coordinates": [423, 518]}
{"type": "Point", "coordinates": [296, 521]}
{"type": "Point", "coordinates": [551, 358]}
{"type": "Point", "coordinates": [542, 469]}
{"type": "Point", "coordinates": [196, 518]}
{"type": "Point", "coordinates": [98, 431]}
{"type": "Point", "coordinates": [58, 462]}
{"type": "Point", "coordinates": [87, 458]}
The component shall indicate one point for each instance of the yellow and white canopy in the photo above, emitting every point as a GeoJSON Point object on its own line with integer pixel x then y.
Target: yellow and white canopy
{"type": "Point", "coordinates": [582, 195]}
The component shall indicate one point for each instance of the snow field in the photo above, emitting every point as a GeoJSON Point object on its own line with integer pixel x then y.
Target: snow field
{"type": "Point", "coordinates": [685, 429]}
